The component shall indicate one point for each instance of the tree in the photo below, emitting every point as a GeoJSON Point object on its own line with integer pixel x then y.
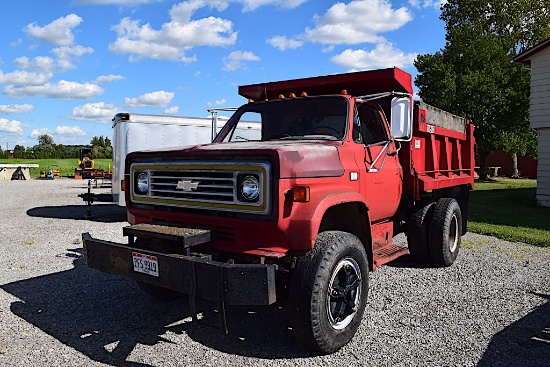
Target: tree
{"type": "Point", "coordinates": [101, 147]}
{"type": "Point", "coordinates": [45, 139]}
{"type": "Point", "coordinates": [472, 75]}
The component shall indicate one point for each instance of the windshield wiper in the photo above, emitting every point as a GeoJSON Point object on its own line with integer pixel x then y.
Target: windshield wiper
{"type": "Point", "coordinates": [287, 137]}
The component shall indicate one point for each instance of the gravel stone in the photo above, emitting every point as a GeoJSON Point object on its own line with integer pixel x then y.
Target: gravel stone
{"type": "Point", "coordinates": [490, 308]}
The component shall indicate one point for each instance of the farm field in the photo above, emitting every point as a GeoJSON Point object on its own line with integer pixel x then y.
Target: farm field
{"type": "Point", "coordinates": [65, 166]}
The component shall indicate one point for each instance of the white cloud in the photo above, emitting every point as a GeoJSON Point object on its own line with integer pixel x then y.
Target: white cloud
{"type": "Point", "coordinates": [61, 134]}
{"type": "Point", "coordinates": [37, 132]}
{"type": "Point", "coordinates": [97, 112]}
{"type": "Point", "coordinates": [116, 2]}
{"type": "Point", "coordinates": [61, 90]}
{"type": "Point", "coordinates": [154, 99]}
{"type": "Point", "coordinates": [357, 22]}
{"type": "Point", "coordinates": [249, 5]}
{"type": "Point", "coordinates": [437, 4]}
{"type": "Point", "coordinates": [236, 60]}
{"type": "Point", "coordinates": [66, 55]}
{"type": "Point", "coordinates": [172, 110]}
{"type": "Point", "coordinates": [69, 130]}
{"type": "Point", "coordinates": [183, 11]}
{"type": "Point", "coordinates": [16, 43]}
{"type": "Point", "coordinates": [42, 64]}
{"type": "Point", "coordinates": [16, 108]}
{"type": "Point", "coordinates": [11, 127]}
{"type": "Point", "coordinates": [172, 40]}
{"type": "Point", "coordinates": [59, 32]}
{"type": "Point", "coordinates": [216, 103]}
{"type": "Point", "coordinates": [24, 78]}
{"type": "Point", "coordinates": [283, 43]}
{"type": "Point", "coordinates": [106, 79]}
{"type": "Point", "coordinates": [181, 33]}
{"type": "Point", "coordinates": [382, 56]}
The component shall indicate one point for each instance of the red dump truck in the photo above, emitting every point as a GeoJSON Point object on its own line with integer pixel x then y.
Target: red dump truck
{"type": "Point", "coordinates": [303, 207]}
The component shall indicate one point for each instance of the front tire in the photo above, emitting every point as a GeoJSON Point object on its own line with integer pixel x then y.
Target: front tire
{"type": "Point", "coordinates": [445, 232]}
{"type": "Point", "coordinates": [328, 292]}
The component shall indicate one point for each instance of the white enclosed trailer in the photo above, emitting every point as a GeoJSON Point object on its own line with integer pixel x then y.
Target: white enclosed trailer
{"type": "Point", "coordinates": [133, 132]}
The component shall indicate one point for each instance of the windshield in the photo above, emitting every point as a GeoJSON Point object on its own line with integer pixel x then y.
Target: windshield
{"type": "Point", "coordinates": [308, 118]}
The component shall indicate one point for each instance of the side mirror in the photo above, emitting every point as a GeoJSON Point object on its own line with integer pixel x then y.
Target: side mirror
{"type": "Point", "coordinates": [401, 121]}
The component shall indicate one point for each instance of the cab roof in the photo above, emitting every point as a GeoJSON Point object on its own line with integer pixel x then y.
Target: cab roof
{"type": "Point", "coordinates": [357, 84]}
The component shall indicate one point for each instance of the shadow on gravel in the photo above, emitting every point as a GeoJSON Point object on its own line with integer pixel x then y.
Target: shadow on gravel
{"type": "Point", "coordinates": [527, 340]}
{"type": "Point", "coordinates": [105, 213]}
{"type": "Point", "coordinates": [407, 261]}
{"type": "Point", "coordinates": [105, 317]}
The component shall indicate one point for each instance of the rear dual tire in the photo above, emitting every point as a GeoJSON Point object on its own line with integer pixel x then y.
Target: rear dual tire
{"type": "Point", "coordinates": [434, 232]}
{"type": "Point", "coordinates": [445, 232]}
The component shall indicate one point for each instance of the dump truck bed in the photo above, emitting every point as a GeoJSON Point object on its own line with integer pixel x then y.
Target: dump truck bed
{"type": "Point", "coordinates": [440, 153]}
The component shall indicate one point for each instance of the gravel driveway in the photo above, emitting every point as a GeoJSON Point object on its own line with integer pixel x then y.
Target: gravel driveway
{"type": "Point", "coordinates": [489, 309]}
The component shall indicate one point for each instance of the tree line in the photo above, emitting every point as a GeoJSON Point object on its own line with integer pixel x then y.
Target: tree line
{"type": "Point", "coordinates": [47, 149]}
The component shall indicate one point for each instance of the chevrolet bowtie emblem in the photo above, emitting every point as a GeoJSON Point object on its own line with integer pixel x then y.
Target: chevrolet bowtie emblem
{"type": "Point", "coordinates": [187, 185]}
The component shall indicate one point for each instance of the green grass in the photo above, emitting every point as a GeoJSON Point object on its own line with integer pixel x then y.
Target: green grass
{"type": "Point", "coordinates": [65, 166]}
{"type": "Point", "coordinates": [507, 209]}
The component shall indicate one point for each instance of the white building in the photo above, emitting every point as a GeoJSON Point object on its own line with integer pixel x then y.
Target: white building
{"type": "Point", "coordinates": [537, 59]}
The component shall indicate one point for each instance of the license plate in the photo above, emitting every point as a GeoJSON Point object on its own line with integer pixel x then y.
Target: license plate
{"type": "Point", "coordinates": [145, 264]}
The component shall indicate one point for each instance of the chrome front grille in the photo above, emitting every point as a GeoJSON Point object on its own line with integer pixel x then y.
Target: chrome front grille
{"type": "Point", "coordinates": [205, 185]}
{"type": "Point", "coordinates": [196, 185]}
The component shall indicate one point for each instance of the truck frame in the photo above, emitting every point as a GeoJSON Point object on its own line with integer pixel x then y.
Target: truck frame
{"type": "Point", "coordinates": [300, 210]}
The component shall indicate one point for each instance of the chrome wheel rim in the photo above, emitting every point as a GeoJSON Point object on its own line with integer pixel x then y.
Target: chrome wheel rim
{"type": "Point", "coordinates": [344, 293]}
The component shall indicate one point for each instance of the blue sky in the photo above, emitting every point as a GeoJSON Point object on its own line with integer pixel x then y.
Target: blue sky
{"type": "Point", "coordinates": [67, 66]}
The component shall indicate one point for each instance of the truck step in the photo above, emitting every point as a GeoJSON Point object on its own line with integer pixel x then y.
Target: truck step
{"type": "Point", "coordinates": [386, 254]}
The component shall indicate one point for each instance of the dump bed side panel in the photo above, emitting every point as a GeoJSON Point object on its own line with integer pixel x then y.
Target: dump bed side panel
{"type": "Point", "coordinates": [440, 153]}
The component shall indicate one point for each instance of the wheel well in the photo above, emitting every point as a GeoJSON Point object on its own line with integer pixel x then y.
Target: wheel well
{"type": "Point", "coordinates": [352, 218]}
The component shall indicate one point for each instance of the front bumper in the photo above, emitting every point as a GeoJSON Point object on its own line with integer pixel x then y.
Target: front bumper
{"type": "Point", "coordinates": [201, 277]}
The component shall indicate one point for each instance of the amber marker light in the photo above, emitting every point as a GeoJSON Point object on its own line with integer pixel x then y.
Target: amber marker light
{"type": "Point", "coordinates": [281, 96]}
{"type": "Point", "coordinates": [250, 100]}
{"type": "Point", "coordinates": [303, 94]}
{"type": "Point", "coordinates": [344, 91]}
{"type": "Point", "coordinates": [292, 95]}
{"type": "Point", "coordinates": [122, 186]}
{"type": "Point", "coordinates": [300, 194]}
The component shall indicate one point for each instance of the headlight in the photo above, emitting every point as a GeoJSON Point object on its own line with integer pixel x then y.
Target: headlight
{"type": "Point", "coordinates": [250, 188]}
{"type": "Point", "coordinates": [142, 183]}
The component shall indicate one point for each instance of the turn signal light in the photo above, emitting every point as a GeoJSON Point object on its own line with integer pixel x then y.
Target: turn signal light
{"type": "Point", "coordinates": [122, 186]}
{"type": "Point", "coordinates": [300, 194]}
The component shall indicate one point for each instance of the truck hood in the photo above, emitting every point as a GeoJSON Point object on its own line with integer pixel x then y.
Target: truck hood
{"type": "Point", "coordinates": [296, 159]}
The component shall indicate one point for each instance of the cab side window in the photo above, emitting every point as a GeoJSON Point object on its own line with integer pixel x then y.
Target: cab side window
{"type": "Point", "coordinates": [372, 128]}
